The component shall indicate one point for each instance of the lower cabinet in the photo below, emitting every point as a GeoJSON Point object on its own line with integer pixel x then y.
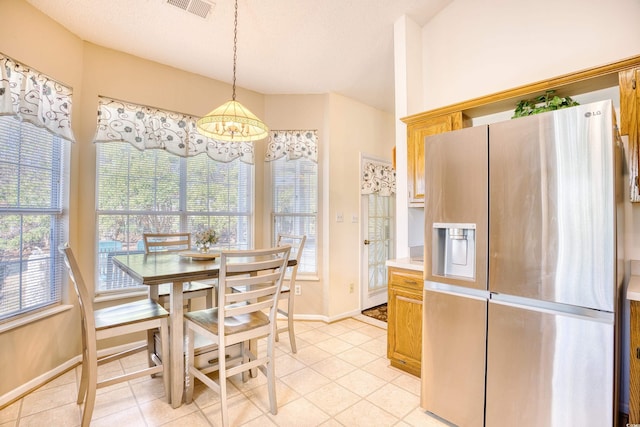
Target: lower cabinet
{"type": "Point", "coordinates": [404, 322]}
{"type": "Point", "coordinates": [634, 363]}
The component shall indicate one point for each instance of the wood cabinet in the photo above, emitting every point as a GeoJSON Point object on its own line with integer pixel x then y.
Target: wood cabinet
{"type": "Point", "coordinates": [404, 321]}
{"type": "Point", "coordinates": [416, 132]}
{"type": "Point", "coordinates": [629, 82]}
{"type": "Point", "coordinates": [634, 363]}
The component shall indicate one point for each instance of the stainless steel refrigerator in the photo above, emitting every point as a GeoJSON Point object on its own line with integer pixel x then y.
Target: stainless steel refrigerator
{"type": "Point", "coordinates": [523, 269]}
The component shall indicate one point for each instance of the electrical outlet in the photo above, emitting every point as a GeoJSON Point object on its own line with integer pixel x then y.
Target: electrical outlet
{"type": "Point", "coordinates": [298, 290]}
{"type": "Point", "coordinates": [351, 288]}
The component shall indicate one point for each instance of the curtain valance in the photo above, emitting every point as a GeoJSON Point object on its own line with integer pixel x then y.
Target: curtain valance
{"type": "Point", "coordinates": [148, 128]}
{"type": "Point", "coordinates": [294, 144]}
{"type": "Point", "coordinates": [378, 178]}
{"type": "Point", "coordinates": [35, 97]}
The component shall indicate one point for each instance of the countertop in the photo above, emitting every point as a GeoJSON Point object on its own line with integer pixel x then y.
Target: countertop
{"type": "Point", "coordinates": [633, 290]}
{"type": "Point", "coordinates": [410, 264]}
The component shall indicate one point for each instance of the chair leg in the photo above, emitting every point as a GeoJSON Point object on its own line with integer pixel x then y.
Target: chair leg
{"type": "Point", "coordinates": [188, 365]}
{"type": "Point", "coordinates": [292, 335]}
{"type": "Point", "coordinates": [209, 298]}
{"type": "Point", "coordinates": [166, 358]}
{"type": "Point", "coordinates": [90, 400]}
{"type": "Point", "coordinates": [222, 378]}
{"type": "Point", "coordinates": [271, 377]}
{"type": "Point", "coordinates": [82, 389]}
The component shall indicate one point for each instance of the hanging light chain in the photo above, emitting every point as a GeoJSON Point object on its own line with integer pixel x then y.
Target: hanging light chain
{"type": "Point", "coordinates": [235, 49]}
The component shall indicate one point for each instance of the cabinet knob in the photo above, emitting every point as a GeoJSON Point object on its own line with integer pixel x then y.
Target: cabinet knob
{"type": "Point", "coordinates": [637, 352]}
{"type": "Point", "coordinates": [366, 242]}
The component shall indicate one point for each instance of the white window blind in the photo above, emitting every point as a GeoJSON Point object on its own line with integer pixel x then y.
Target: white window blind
{"type": "Point", "coordinates": [156, 191]}
{"type": "Point", "coordinates": [295, 204]}
{"type": "Point", "coordinates": [32, 221]}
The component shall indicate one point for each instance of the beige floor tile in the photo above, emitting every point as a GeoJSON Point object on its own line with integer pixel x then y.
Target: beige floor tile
{"type": "Point", "coordinates": [68, 377]}
{"type": "Point", "coordinates": [334, 346]}
{"type": "Point", "coordinates": [336, 328]}
{"type": "Point", "coordinates": [333, 368]}
{"type": "Point", "coordinates": [357, 356]}
{"type": "Point", "coordinates": [49, 398]}
{"type": "Point", "coordinates": [382, 369]}
{"type": "Point", "coordinates": [194, 419]}
{"type": "Point", "coordinates": [419, 418]}
{"type": "Point", "coordinates": [305, 380]}
{"type": "Point", "coordinates": [261, 421]}
{"type": "Point", "coordinates": [360, 382]}
{"type": "Point", "coordinates": [366, 414]}
{"type": "Point", "coordinates": [10, 412]}
{"type": "Point", "coordinates": [408, 382]}
{"type": "Point", "coordinates": [158, 412]}
{"type": "Point", "coordinates": [131, 417]}
{"type": "Point", "coordinates": [373, 331]}
{"type": "Point", "coordinates": [299, 413]}
{"type": "Point", "coordinates": [149, 389]}
{"type": "Point", "coordinates": [260, 395]}
{"type": "Point", "coordinates": [315, 336]}
{"type": "Point", "coordinates": [112, 402]}
{"type": "Point", "coordinates": [12, 423]}
{"type": "Point", "coordinates": [394, 400]}
{"type": "Point", "coordinates": [287, 364]}
{"type": "Point", "coordinates": [377, 346]}
{"type": "Point", "coordinates": [203, 396]}
{"type": "Point", "coordinates": [61, 416]}
{"type": "Point", "coordinates": [310, 355]}
{"type": "Point", "coordinates": [355, 337]}
{"type": "Point", "coordinates": [332, 398]}
{"type": "Point", "coordinates": [241, 411]}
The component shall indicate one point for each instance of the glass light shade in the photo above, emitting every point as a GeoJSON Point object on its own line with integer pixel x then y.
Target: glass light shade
{"type": "Point", "coordinates": [232, 121]}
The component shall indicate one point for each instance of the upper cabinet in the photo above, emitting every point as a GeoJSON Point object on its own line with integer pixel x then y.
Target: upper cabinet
{"type": "Point", "coordinates": [417, 130]}
{"type": "Point", "coordinates": [630, 123]}
{"type": "Point", "coordinates": [624, 73]}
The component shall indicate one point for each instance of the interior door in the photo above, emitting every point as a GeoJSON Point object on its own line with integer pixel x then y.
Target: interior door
{"type": "Point", "coordinates": [378, 223]}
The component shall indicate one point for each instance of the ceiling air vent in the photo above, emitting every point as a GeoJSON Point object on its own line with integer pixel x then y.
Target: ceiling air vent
{"type": "Point", "coordinates": [197, 7]}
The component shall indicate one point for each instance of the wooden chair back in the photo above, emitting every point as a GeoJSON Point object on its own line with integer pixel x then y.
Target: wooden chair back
{"type": "Point", "coordinates": [166, 242]}
{"type": "Point", "coordinates": [297, 246]}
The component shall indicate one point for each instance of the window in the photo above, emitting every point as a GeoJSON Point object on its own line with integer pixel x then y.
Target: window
{"type": "Point", "coordinates": [153, 190]}
{"type": "Point", "coordinates": [32, 220]}
{"type": "Point", "coordinates": [295, 205]}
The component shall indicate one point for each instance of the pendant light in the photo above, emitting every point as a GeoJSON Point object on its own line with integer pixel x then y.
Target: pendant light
{"type": "Point", "coordinates": [233, 121]}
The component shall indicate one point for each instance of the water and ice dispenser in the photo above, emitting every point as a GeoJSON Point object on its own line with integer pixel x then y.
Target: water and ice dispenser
{"type": "Point", "coordinates": [454, 250]}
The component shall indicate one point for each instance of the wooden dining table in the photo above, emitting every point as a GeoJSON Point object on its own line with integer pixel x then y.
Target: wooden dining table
{"type": "Point", "coordinates": [175, 268]}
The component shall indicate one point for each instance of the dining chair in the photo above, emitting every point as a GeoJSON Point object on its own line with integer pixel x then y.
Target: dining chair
{"type": "Point", "coordinates": [123, 319]}
{"type": "Point", "coordinates": [288, 287]}
{"type": "Point", "coordinates": [175, 242]}
{"type": "Point", "coordinates": [239, 318]}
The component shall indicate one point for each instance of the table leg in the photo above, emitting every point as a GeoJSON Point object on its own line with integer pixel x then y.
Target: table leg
{"type": "Point", "coordinates": [176, 338]}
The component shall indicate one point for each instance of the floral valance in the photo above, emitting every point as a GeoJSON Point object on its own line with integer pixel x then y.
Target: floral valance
{"type": "Point", "coordinates": [35, 98]}
{"type": "Point", "coordinates": [378, 178]}
{"type": "Point", "coordinates": [147, 128]}
{"type": "Point", "coordinates": [294, 144]}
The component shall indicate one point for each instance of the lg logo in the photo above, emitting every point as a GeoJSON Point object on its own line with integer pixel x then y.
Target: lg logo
{"type": "Point", "coordinates": [594, 113]}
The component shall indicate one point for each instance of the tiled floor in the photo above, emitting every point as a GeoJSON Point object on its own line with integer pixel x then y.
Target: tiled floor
{"type": "Point", "coordinates": [339, 377]}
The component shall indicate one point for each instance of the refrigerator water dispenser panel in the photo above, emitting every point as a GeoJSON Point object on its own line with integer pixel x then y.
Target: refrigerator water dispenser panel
{"type": "Point", "coordinates": [454, 250]}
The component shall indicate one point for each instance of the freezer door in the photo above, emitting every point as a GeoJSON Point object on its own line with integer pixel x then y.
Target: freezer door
{"type": "Point", "coordinates": [453, 357]}
{"type": "Point", "coordinates": [456, 207]}
{"type": "Point", "coordinates": [552, 207]}
{"type": "Point", "coordinates": [548, 369]}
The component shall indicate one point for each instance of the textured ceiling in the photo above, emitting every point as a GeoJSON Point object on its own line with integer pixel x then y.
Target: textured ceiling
{"type": "Point", "coordinates": [284, 46]}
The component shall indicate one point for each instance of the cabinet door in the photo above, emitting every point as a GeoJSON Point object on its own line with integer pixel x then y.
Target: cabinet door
{"type": "Point", "coordinates": [630, 124]}
{"type": "Point", "coordinates": [404, 347]}
{"type": "Point", "coordinates": [416, 132]}
{"type": "Point", "coordinates": [634, 364]}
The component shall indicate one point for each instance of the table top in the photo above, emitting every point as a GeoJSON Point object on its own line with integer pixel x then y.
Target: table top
{"type": "Point", "coordinates": [158, 268]}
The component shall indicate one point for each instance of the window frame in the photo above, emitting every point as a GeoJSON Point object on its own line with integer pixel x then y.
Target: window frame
{"type": "Point", "coordinates": [57, 210]}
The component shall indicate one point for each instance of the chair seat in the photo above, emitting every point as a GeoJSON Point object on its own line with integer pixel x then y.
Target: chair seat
{"type": "Point", "coordinates": [208, 319]}
{"type": "Point", "coordinates": [124, 314]}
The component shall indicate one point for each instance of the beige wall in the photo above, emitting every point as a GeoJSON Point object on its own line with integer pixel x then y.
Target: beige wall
{"type": "Point", "coordinates": [345, 128]}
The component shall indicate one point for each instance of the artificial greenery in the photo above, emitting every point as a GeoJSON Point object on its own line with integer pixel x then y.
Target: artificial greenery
{"type": "Point", "coordinates": [542, 103]}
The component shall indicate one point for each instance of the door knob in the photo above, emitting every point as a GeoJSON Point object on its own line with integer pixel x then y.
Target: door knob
{"type": "Point", "coordinates": [366, 242]}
